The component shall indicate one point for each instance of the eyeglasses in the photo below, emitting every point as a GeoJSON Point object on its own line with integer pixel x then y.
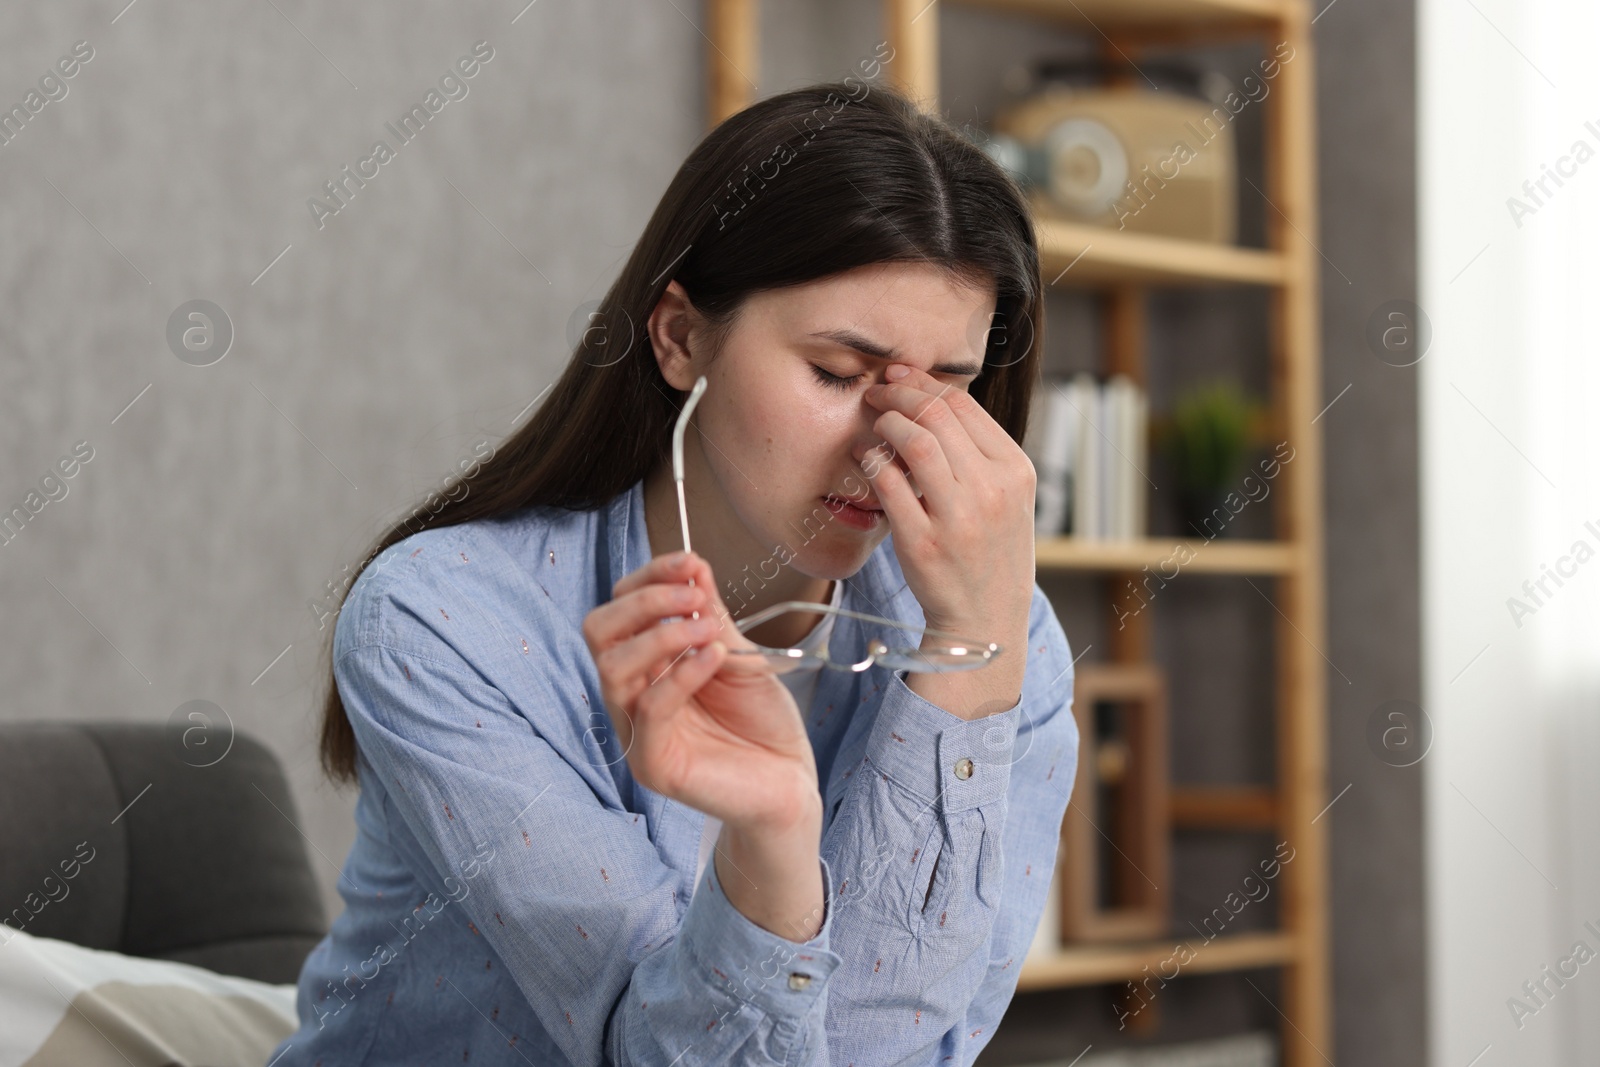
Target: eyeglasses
{"type": "Point", "coordinates": [946, 653]}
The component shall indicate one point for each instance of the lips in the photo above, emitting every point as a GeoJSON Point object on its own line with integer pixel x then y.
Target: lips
{"type": "Point", "coordinates": [863, 505]}
{"type": "Point", "coordinates": [855, 516]}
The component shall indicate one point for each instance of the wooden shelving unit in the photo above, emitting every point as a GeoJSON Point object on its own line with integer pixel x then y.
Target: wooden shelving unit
{"type": "Point", "coordinates": [1123, 265]}
{"type": "Point", "coordinates": [1097, 964]}
{"type": "Point", "coordinates": [1150, 19]}
{"type": "Point", "coordinates": [1088, 256]}
{"type": "Point", "coordinates": [1163, 557]}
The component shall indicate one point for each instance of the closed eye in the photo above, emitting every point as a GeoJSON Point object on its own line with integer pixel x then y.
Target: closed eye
{"type": "Point", "coordinates": [833, 381]}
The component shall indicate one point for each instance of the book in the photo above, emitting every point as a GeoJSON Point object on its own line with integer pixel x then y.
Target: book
{"type": "Point", "coordinates": [1088, 464]}
{"type": "Point", "coordinates": [1127, 428]}
{"type": "Point", "coordinates": [1053, 462]}
{"type": "Point", "coordinates": [1088, 443]}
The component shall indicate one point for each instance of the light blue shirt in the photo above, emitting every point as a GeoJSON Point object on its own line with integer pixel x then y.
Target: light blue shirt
{"type": "Point", "coordinates": [514, 897]}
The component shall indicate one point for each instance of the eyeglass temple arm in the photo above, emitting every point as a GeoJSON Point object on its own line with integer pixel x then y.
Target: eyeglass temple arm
{"type": "Point", "coordinates": [683, 516]}
{"type": "Point", "coordinates": [677, 452]}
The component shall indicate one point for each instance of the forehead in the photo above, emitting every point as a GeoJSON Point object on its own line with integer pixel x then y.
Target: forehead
{"type": "Point", "coordinates": [902, 306]}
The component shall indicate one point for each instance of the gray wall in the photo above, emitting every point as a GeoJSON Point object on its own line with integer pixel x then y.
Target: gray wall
{"type": "Point", "coordinates": [188, 555]}
{"type": "Point", "coordinates": [424, 317]}
{"type": "Point", "coordinates": [1366, 140]}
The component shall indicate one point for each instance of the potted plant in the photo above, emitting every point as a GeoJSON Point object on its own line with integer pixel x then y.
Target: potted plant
{"type": "Point", "coordinates": [1206, 437]}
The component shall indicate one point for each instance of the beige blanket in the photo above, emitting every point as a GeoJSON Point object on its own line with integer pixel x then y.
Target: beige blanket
{"type": "Point", "coordinates": [63, 1005]}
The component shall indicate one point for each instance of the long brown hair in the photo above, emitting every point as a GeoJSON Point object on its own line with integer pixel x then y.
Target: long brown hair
{"type": "Point", "coordinates": [802, 185]}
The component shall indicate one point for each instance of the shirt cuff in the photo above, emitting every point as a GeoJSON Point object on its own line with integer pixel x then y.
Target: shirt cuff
{"type": "Point", "coordinates": [781, 977]}
{"type": "Point", "coordinates": [936, 755]}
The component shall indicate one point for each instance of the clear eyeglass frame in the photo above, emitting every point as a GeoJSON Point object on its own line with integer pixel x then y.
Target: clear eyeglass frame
{"type": "Point", "coordinates": [947, 654]}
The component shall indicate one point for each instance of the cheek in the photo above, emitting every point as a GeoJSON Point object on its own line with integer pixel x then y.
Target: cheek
{"type": "Point", "coordinates": [784, 442]}
{"type": "Point", "coordinates": [791, 434]}
{"type": "Point", "coordinates": [797, 450]}
{"type": "Point", "coordinates": [782, 452]}
{"type": "Point", "coordinates": [760, 433]}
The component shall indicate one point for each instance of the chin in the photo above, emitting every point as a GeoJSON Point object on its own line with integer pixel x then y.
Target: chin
{"type": "Point", "coordinates": [838, 559]}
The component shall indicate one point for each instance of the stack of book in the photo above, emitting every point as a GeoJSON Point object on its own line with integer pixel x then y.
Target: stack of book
{"type": "Point", "coordinates": [1088, 440]}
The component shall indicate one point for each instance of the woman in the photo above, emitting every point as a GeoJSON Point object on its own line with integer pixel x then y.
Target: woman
{"type": "Point", "coordinates": [543, 702]}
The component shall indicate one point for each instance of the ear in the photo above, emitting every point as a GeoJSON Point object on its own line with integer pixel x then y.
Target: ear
{"type": "Point", "coordinates": [670, 327]}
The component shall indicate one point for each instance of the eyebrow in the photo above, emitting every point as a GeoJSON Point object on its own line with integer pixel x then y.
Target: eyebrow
{"type": "Point", "coordinates": [868, 347]}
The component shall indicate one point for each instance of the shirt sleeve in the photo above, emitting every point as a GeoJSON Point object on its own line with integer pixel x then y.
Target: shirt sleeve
{"type": "Point", "coordinates": [567, 886]}
{"type": "Point", "coordinates": [943, 845]}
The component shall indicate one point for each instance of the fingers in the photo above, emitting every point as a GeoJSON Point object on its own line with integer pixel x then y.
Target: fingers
{"type": "Point", "coordinates": [949, 443]}
{"type": "Point", "coordinates": [628, 668]}
{"type": "Point", "coordinates": [924, 456]}
{"type": "Point", "coordinates": [633, 647]}
{"type": "Point", "coordinates": [907, 517]}
{"type": "Point", "coordinates": [918, 388]}
{"type": "Point", "coordinates": [639, 608]}
{"type": "Point", "coordinates": [646, 715]}
{"type": "Point", "coordinates": [680, 682]}
{"type": "Point", "coordinates": [916, 456]}
{"type": "Point", "coordinates": [929, 412]}
{"type": "Point", "coordinates": [714, 605]}
{"type": "Point", "coordinates": [668, 567]}
{"type": "Point", "coordinates": [688, 570]}
{"type": "Point", "coordinates": [651, 718]}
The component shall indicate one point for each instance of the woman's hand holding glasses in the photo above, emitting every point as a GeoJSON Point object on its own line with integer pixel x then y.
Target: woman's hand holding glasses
{"type": "Point", "coordinates": [718, 733]}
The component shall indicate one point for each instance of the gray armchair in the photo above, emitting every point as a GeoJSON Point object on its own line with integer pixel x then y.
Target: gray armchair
{"type": "Point", "coordinates": [204, 866]}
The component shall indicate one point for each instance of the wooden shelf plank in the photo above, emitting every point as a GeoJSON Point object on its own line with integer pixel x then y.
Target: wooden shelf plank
{"type": "Point", "coordinates": [1132, 16]}
{"type": "Point", "coordinates": [1246, 807]}
{"type": "Point", "coordinates": [1164, 556]}
{"type": "Point", "coordinates": [1083, 965]}
{"type": "Point", "coordinates": [1092, 256]}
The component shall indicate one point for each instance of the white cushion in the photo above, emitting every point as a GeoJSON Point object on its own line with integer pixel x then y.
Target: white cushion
{"type": "Point", "coordinates": [64, 1004]}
